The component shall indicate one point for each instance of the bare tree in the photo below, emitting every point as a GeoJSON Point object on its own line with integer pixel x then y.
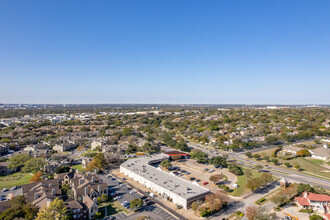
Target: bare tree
{"type": "Point", "coordinates": [251, 212]}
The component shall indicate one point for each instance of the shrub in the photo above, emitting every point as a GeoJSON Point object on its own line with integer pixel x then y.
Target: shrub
{"type": "Point", "coordinates": [239, 213]}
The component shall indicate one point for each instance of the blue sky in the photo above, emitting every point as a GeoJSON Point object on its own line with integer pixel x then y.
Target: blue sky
{"type": "Point", "coordinates": [165, 51]}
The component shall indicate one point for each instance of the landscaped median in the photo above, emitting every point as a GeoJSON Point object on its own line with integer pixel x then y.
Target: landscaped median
{"type": "Point", "coordinates": [266, 198]}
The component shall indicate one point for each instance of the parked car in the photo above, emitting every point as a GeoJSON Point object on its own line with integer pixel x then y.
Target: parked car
{"type": "Point", "coordinates": [13, 188]}
{"type": "Point", "coordinates": [211, 170]}
{"type": "Point", "coordinates": [206, 169]}
{"type": "Point", "coordinates": [5, 190]}
{"type": "Point", "coordinates": [198, 180]}
{"type": "Point", "coordinates": [117, 197]}
{"type": "Point", "coordinates": [192, 178]}
{"type": "Point", "coordinates": [133, 191]}
{"type": "Point", "coordinates": [108, 176]}
{"type": "Point", "coordinates": [205, 183]}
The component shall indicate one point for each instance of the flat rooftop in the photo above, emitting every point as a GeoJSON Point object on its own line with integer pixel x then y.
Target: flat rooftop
{"type": "Point", "coordinates": [169, 181]}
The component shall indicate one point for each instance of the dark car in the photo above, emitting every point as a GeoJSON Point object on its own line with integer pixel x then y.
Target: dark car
{"type": "Point", "coordinates": [192, 178]}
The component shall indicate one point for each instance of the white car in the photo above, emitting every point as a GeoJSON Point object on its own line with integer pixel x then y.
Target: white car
{"type": "Point", "coordinates": [124, 203]}
{"type": "Point", "coordinates": [133, 191]}
{"type": "Point", "coordinates": [117, 197]}
{"type": "Point", "coordinates": [108, 176]}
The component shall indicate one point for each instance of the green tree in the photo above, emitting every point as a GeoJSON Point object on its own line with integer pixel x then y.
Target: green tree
{"type": "Point", "coordinates": [219, 161]}
{"type": "Point", "coordinates": [34, 165]}
{"type": "Point", "coordinates": [136, 203]}
{"type": "Point", "coordinates": [181, 145]}
{"type": "Point", "coordinates": [131, 149]}
{"type": "Point", "coordinates": [128, 131]}
{"type": "Point", "coordinates": [315, 217]}
{"type": "Point", "coordinates": [297, 166]}
{"type": "Point", "coordinates": [100, 161]}
{"type": "Point", "coordinates": [302, 187]}
{"type": "Point", "coordinates": [272, 139]}
{"type": "Point", "coordinates": [56, 210]}
{"type": "Point", "coordinates": [19, 209]}
{"type": "Point", "coordinates": [303, 153]}
{"type": "Point", "coordinates": [275, 161]}
{"type": "Point", "coordinates": [18, 160]}
{"type": "Point", "coordinates": [235, 169]}
{"type": "Point", "coordinates": [248, 154]}
{"type": "Point", "coordinates": [165, 164]}
{"type": "Point", "coordinates": [150, 148]}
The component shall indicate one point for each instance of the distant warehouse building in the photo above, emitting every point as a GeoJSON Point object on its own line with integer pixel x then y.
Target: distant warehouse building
{"type": "Point", "coordinates": [169, 186]}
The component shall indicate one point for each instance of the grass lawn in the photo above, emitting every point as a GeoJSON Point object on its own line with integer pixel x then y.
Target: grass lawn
{"type": "Point", "coordinates": [241, 182]}
{"type": "Point", "coordinates": [316, 161]}
{"type": "Point", "coordinates": [15, 179]}
{"type": "Point", "coordinates": [116, 207]}
{"type": "Point", "coordinates": [309, 166]}
{"type": "Point", "coordinates": [90, 151]}
{"type": "Point", "coordinates": [78, 167]}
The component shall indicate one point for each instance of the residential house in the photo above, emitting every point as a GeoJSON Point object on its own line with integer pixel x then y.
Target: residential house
{"type": "Point", "coordinates": [83, 202]}
{"type": "Point", "coordinates": [4, 149]}
{"type": "Point", "coordinates": [64, 147]}
{"type": "Point", "coordinates": [322, 153]}
{"type": "Point", "coordinates": [290, 150]}
{"type": "Point", "coordinates": [4, 168]}
{"type": "Point", "coordinates": [317, 202]}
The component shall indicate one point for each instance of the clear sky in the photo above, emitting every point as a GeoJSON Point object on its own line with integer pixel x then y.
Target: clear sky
{"type": "Point", "coordinates": [165, 51]}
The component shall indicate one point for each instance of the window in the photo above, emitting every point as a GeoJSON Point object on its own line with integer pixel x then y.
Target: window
{"type": "Point", "coordinates": [74, 216]}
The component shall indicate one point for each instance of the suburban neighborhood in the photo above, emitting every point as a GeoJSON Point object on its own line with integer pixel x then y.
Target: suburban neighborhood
{"type": "Point", "coordinates": [167, 163]}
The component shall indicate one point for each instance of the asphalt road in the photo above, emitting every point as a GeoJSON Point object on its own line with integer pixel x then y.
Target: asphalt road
{"type": "Point", "coordinates": [288, 174]}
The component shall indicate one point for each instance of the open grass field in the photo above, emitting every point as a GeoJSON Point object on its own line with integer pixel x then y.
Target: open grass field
{"type": "Point", "coordinates": [266, 152]}
{"type": "Point", "coordinates": [307, 164]}
{"type": "Point", "coordinates": [241, 182]}
{"type": "Point", "coordinates": [310, 166]}
{"type": "Point", "coordinates": [316, 161]}
{"type": "Point", "coordinates": [15, 179]}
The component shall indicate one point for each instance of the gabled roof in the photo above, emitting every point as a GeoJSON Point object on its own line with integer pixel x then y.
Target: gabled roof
{"type": "Point", "coordinates": [302, 201]}
{"type": "Point", "coordinates": [321, 152]}
{"type": "Point", "coordinates": [88, 201]}
{"type": "Point", "coordinates": [318, 197]}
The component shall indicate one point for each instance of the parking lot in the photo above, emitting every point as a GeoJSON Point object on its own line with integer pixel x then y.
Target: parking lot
{"type": "Point", "coordinates": [117, 187]}
{"type": "Point", "coordinates": [154, 212]}
{"type": "Point", "coordinates": [11, 193]}
{"type": "Point", "coordinates": [120, 189]}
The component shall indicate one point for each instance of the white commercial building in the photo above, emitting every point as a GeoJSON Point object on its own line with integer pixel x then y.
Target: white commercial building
{"type": "Point", "coordinates": [169, 186]}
